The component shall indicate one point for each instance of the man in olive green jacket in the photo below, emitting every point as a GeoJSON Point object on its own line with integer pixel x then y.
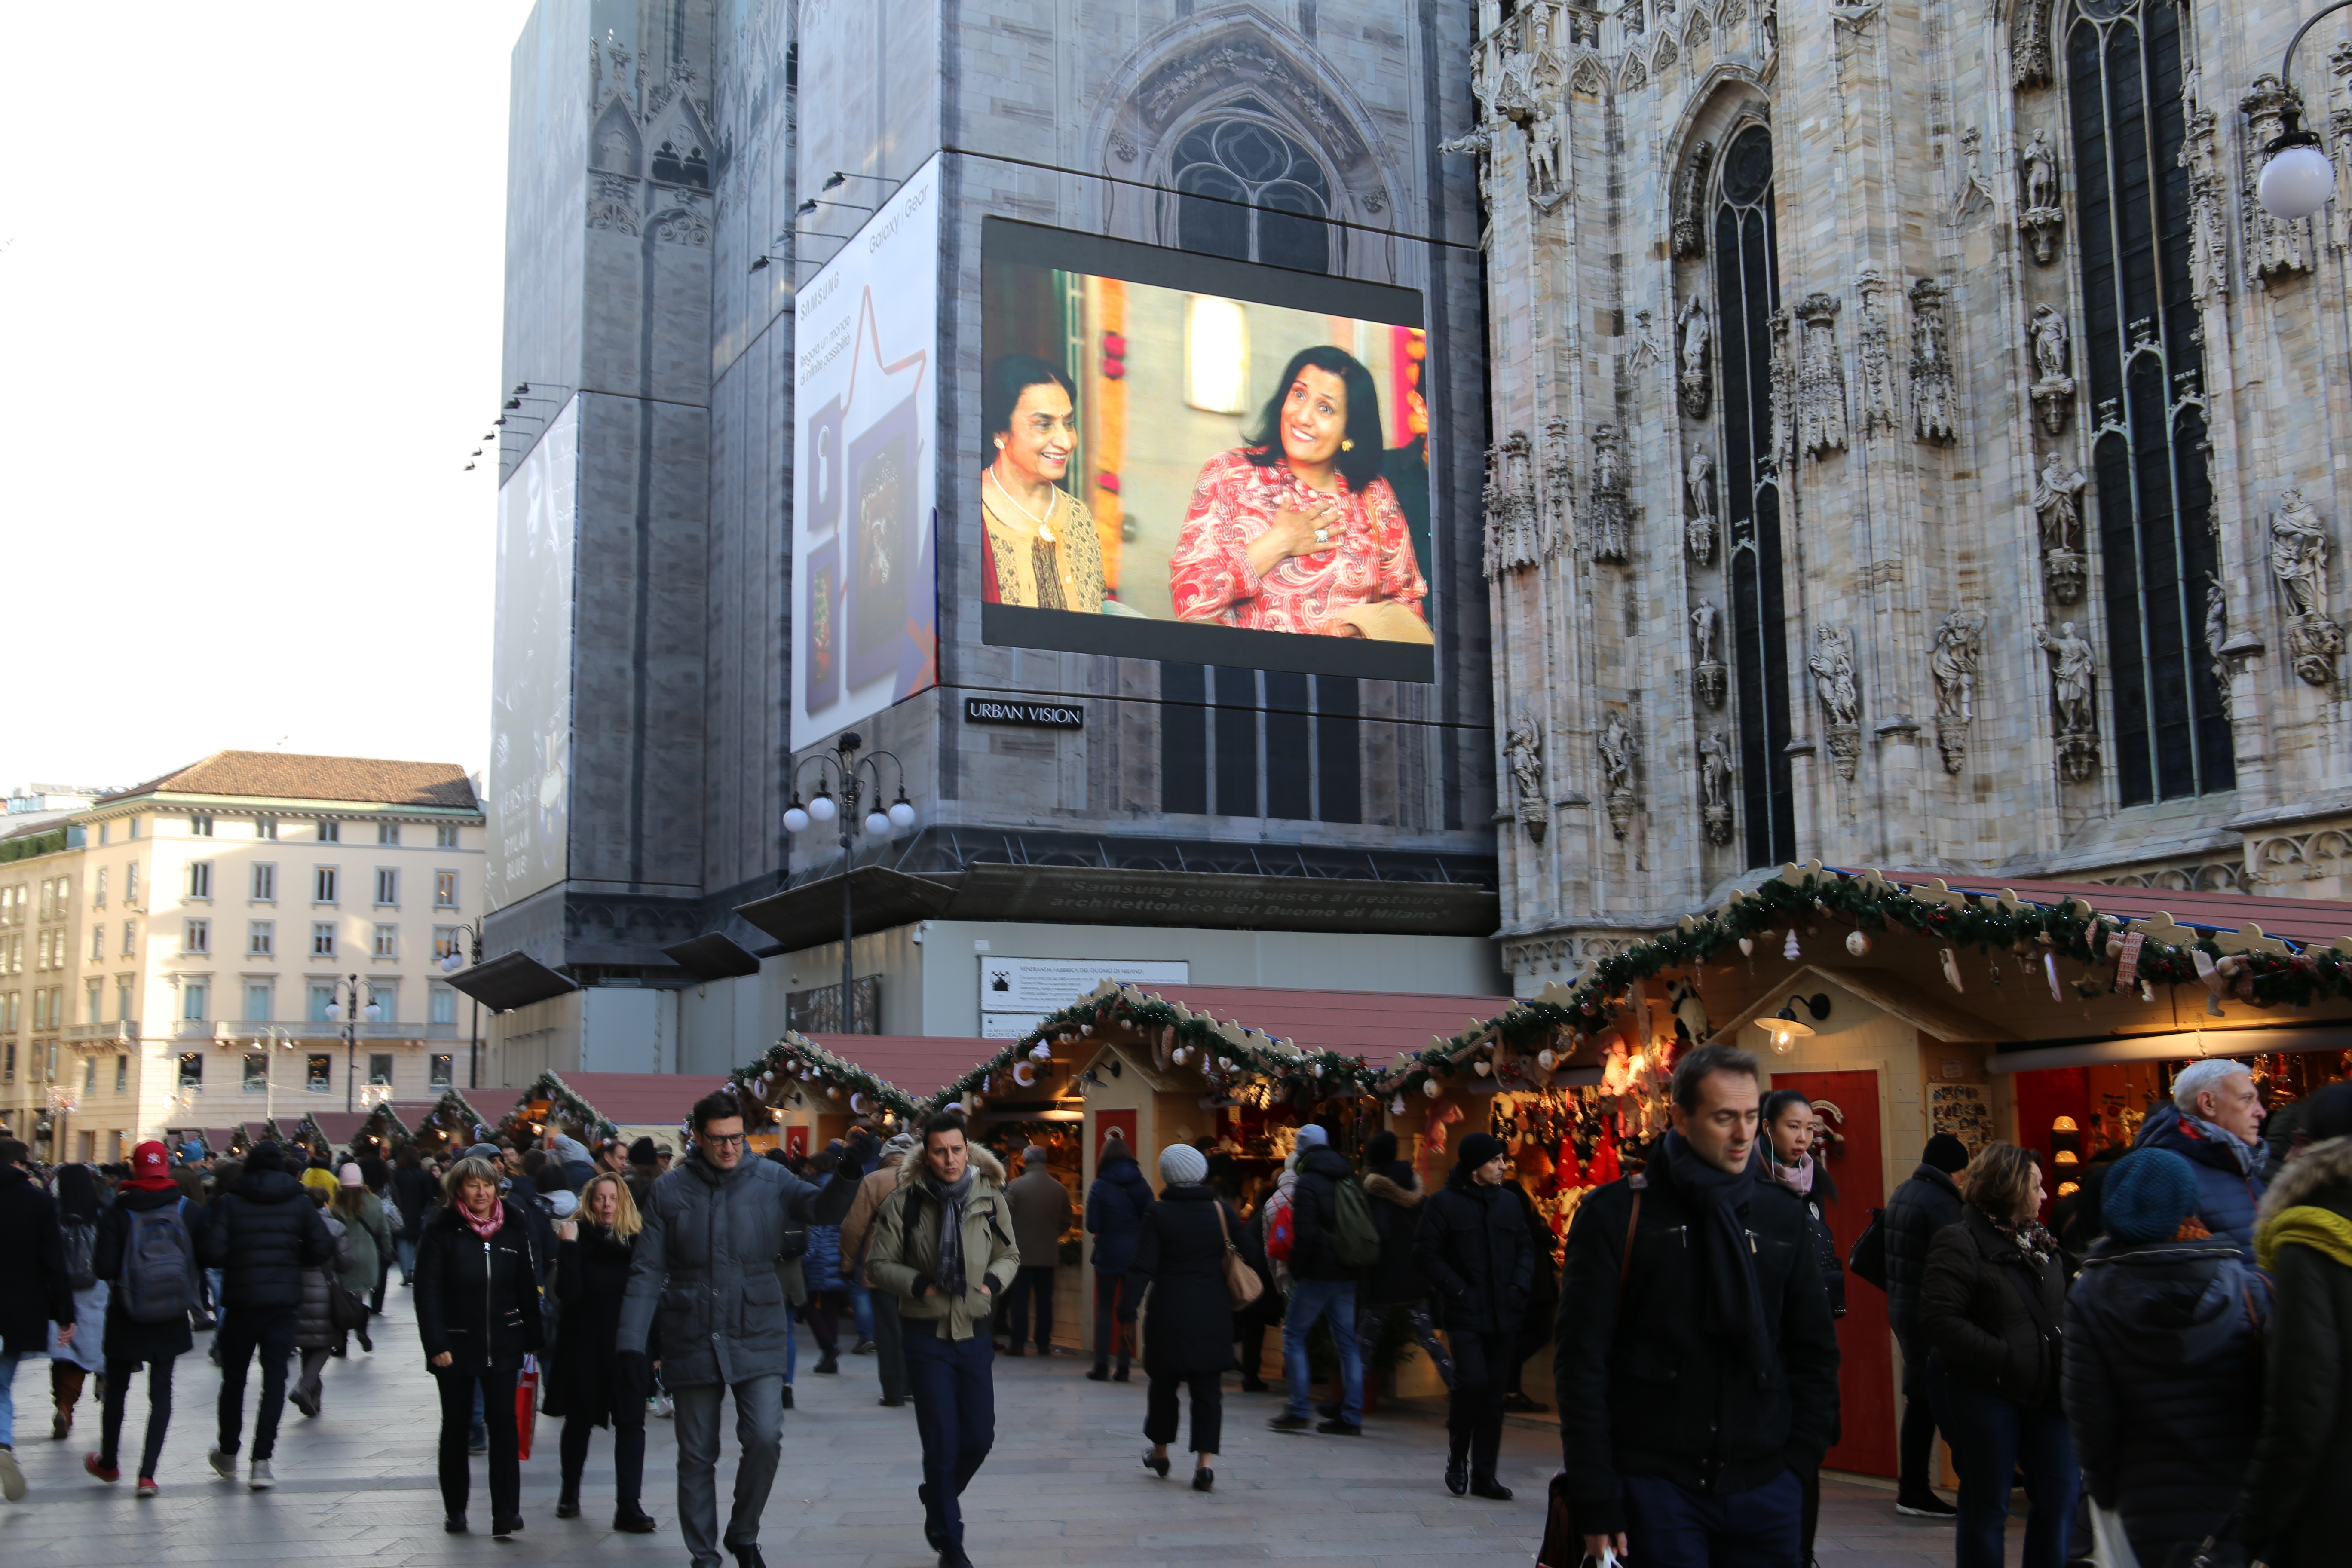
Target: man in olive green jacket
{"type": "Point", "coordinates": [943, 1246]}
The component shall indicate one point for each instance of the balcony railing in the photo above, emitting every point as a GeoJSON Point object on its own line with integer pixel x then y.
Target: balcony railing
{"type": "Point", "coordinates": [94, 1034]}
{"type": "Point", "coordinates": [228, 1032]}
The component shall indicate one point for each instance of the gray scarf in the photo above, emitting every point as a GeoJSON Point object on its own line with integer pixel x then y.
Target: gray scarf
{"type": "Point", "coordinates": [948, 1269]}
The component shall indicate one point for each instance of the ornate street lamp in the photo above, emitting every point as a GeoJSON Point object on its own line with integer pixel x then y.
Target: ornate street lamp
{"type": "Point", "coordinates": [2298, 177]}
{"type": "Point", "coordinates": [850, 773]}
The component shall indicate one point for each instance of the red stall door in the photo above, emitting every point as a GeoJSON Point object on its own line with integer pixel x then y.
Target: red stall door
{"type": "Point", "coordinates": [1847, 1103]}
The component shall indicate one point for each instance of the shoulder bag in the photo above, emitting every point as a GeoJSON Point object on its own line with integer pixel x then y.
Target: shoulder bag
{"type": "Point", "coordinates": [1242, 1282]}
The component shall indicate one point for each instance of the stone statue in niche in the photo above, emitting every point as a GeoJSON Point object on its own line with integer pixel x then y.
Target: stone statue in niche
{"type": "Point", "coordinates": [2299, 550]}
{"type": "Point", "coordinates": [1547, 133]}
{"type": "Point", "coordinates": [1612, 528]}
{"type": "Point", "coordinates": [2074, 681]}
{"type": "Point", "coordinates": [1646, 351]}
{"type": "Point", "coordinates": [1616, 747]}
{"type": "Point", "coordinates": [1714, 786]}
{"type": "Point", "coordinates": [2216, 638]}
{"type": "Point", "coordinates": [1699, 528]}
{"type": "Point", "coordinates": [1697, 337]}
{"type": "Point", "coordinates": [1877, 359]}
{"type": "Point", "coordinates": [2053, 388]}
{"type": "Point", "coordinates": [1706, 670]}
{"type": "Point", "coordinates": [1934, 400]}
{"type": "Point", "coordinates": [1782, 369]}
{"type": "Point", "coordinates": [2043, 220]}
{"type": "Point", "coordinates": [1559, 476]}
{"type": "Point", "coordinates": [1952, 665]}
{"type": "Point", "coordinates": [1820, 379]}
{"type": "Point", "coordinates": [1525, 753]}
{"type": "Point", "coordinates": [1513, 523]}
{"type": "Point", "coordinates": [2057, 502]}
{"type": "Point", "coordinates": [1832, 662]}
{"type": "Point", "coordinates": [1975, 193]}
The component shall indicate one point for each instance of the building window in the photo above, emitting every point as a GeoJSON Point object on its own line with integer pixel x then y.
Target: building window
{"type": "Point", "coordinates": [443, 1004]}
{"type": "Point", "coordinates": [1251, 193]}
{"type": "Point", "coordinates": [93, 996]}
{"type": "Point", "coordinates": [261, 938]}
{"type": "Point", "coordinates": [131, 883]}
{"type": "Point", "coordinates": [260, 1001]}
{"type": "Point", "coordinates": [196, 1000]}
{"type": "Point", "coordinates": [123, 1011]}
{"type": "Point", "coordinates": [265, 883]}
{"type": "Point", "coordinates": [198, 937]}
{"type": "Point", "coordinates": [192, 1069]}
{"type": "Point", "coordinates": [130, 938]}
{"type": "Point", "coordinates": [2140, 352]}
{"type": "Point", "coordinates": [379, 1068]}
{"type": "Point", "coordinates": [98, 889]}
{"type": "Point", "coordinates": [331, 832]}
{"type": "Point", "coordinates": [265, 827]}
{"type": "Point", "coordinates": [445, 836]}
{"type": "Point", "coordinates": [387, 888]}
{"type": "Point", "coordinates": [323, 1001]}
{"type": "Point", "coordinates": [200, 879]}
{"type": "Point", "coordinates": [317, 1072]}
{"type": "Point", "coordinates": [387, 833]}
{"type": "Point", "coordinates": [90, 1075]}
{"type": "Point", "coordinates": [257, 1072]}
{"type": "Point", "coordinates": [131, 828]}
{"type": "Point", "coordinates": [438, 1073]}
{"type": "Point", "coordinates": [200, 824]}
{"type": "Point", "coordinates": [384, 995]}
{"type": "Point", "coordinates": [1748, 292]}
{"type": "Point", "coordinates": [322, 939]}
{"type": "Point", "coordinates": [12, 954]}
{"type": "Point", "coordinates": [445, 942]}
{"type": "Point", "coordinates": [445, 890]}
{"type": "Point", "coordinates": [121, 1074]}
{"type": "Point", "coordinates": [387, 941]}
{"type": "Point", "coordinates": [105, 832]}
{"type": "Point", "coordinates": [98, 941]}
{"type": "Point", "coordinates": [324, 885]}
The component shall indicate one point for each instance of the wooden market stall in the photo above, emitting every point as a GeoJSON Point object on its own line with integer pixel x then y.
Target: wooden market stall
{"type": "Point", "coordinates": [449, 1124]}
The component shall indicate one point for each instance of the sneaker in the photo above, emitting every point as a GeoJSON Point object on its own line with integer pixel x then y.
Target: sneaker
{"type": "Point", "coordinates": [862, 1347]}
{"type": "Point", "coordinates": [223, 1462]}
{"type": "Point", "coordinates": [1338, 1428]}
{"type": "Point", "coordinates": [258, 1479]}
{"type": "Point", "coordinates": [1926, 1505]}
{"type": "Point", "coordinates": [147, 1487]}
{"type": "Point", "coordinates": [60, 1426]}
{"type": "Point", "coordinates": [12, 1476]}
{"type": "Point", "coordinates": [1289, 1423]}
{"type": "Point", "coordinates": [107, 1473]}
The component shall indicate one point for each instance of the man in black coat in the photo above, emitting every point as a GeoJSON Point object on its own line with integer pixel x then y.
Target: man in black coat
{"type": "Point", "coordinates": [1474, 1248]}
{"type": "Point", "coordinates": [33, 1291]}
{"type": "Point", "coordinates": [263, 1234]}
{"type": "Point", "coordinates": [1920, 1207]}
{"type": "Point", "coordinates": [1694, 1355]}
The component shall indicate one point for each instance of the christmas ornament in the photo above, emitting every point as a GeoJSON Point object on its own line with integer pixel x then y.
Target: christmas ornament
{"type": "Point", "coordinates": [1951, 962]}
{"type": "Point", "coordinates": [1858, 943]}
{"type": "Point", "coordinates": [1429, 1087]}
{"type": "Point", "coordinates": [1748, 946]}
{"type": "Point", "coordinates": [1790, 950]}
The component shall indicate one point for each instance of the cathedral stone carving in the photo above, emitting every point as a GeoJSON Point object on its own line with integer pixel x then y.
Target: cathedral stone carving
{"type": "Point", "coordinates": [1706, 665]}
{"type": "Point", "coordinates": [1933, 401]}
{"type": "Point", "coordinates": [1618, 755]}
{"type": "Point", "coordinates": [2043, 220]}
{"type": "Point", "coordinates": [1820, 379]}
{"type": "Point", "coordinates": [614, 204]}
{"type": "Point", "coordinates": [2209, 215]}
{"type": "Point", "coordinates": [2053, 388]}
{"type": "Point", "coordinates": [2274, 245]}
{"type": "Point", "coordinates": [1714, 786]}
{"type": "Point", "coordinates": [1690, 201]}
{"type": "Point", "coordinates": [1832, 662]}
{"type": "Point", "coordinates": [2217, 642]}
{"type": "Point", "coordinates": [2029, 44]}
{"type": "Point", "coordinates": [1877, 359]}
{"type": "Point", "coordinates": [1783, 372]}
{"type": "Point", "coordinates": [2073, 689]}
{"type": "Point", "coordinates": [1546, 137]}
{"type": "Point", "coordinates": [2057, 502]}
{"type": "Point", "coordinates": [1699, 528]}
{"type": "Point", "coordinates": [1525, 757]}
{"type": "Point", "coordinates": [1558, 479]}
{"type": "Point", "coordinates": [1612, 526]}
{"type": "Point", "coordinates": [2299, 550]}
{"type": "Point", "coordinates": [1695, 335]}
{"type": "Point", "coordinates": [1952, 665]}
{"type": "Point", "coordinates": [1514, 527]}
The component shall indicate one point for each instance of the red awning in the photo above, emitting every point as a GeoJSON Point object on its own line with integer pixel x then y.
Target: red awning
{"type": "Point", "coordinates": [918, 1065]}
{"type": "Point", "coordinates": [640, 1099]}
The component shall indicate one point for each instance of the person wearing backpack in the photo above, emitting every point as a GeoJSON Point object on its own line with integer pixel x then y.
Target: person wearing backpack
{"type": "Point", "coordinates": [1332, 1242]}
{"type": "Point", "coordinates": [81, 1201]}
{"type": "Point", "coordinates": [1474, 1248]}
{"type": "Point", "coordinates": [147, 1246]}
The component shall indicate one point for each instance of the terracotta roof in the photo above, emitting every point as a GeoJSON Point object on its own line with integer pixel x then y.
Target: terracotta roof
{"type": "Point", "coordinates": [284, 776]}
{"type": "Point", "coordinates": [2302, 920]}
{"type": "Point", "coordinates": [637, 1098]}
{"type": "Point", "coordinates": [921, 1065]}
{"type": "Point", "coordinates": [1374, 1024]}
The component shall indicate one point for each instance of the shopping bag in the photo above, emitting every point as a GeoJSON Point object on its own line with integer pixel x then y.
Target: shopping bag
{"type": "Point", "coordinates": [2109, 1544]}
{"type": "Point", "coordinates": [526, 1405]}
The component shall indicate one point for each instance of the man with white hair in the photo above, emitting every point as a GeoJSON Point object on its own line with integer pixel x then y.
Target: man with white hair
{"type": "Point", "coordinates": [2215, 1122]}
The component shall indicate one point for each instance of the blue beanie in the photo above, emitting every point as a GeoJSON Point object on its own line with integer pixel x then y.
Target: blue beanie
{"type": "Point", "coordinates": [2146, 1195]}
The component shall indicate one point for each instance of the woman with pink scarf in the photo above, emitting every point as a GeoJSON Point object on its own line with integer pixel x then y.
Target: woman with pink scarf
{"type": "Point", "coordinates": [477, 1316]}
{"type": "Point", "coordinates": [1785, 1153]}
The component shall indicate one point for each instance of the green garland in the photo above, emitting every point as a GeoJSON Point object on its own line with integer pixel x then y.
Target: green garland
{"type": "Point", "coordinates": [562, 1104]}
{"type": "Point", "coordinates": [797, 1061]}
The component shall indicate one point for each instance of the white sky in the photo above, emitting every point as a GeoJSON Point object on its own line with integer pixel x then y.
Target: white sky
{"type": "Point", "coordinates": [250, 274]}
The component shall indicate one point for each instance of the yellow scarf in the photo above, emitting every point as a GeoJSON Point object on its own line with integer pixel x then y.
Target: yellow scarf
{"type": "Point", "coordinates": [2323, 1229]}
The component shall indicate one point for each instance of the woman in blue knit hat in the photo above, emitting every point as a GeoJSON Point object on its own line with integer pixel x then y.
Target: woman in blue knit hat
{"type": "Point", "coordinates": [2164, 1360]}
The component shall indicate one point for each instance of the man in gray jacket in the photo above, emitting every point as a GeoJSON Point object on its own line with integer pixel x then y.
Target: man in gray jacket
{"type": "Point", "coordinates": [706, 1261]}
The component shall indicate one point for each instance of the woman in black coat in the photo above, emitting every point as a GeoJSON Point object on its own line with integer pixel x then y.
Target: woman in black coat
{"type": "Point", "coordinates": [589, 1385]}
{"type": "Point", "coordinates": [1394, 1285]}
{"type": "Point", "coordinates": [152, 1191]}
{"type": "Point", "coordinates": [1474, 1250]}
{"type": "Point", "coordinates": [1180, 1259]}
{"type": "Point", "coordinates": [478, 1317]}
{"type": "Point", "coordinates": [1991, 1303]}
{"type": "Point", "coordinates": [1784, 1157]}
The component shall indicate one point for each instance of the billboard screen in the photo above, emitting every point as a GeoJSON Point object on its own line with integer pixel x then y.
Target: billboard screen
{"type": "Point", "coordinates": [530, 668]}
{"type": "Point", "coordinates": [865, 383]}
{"type": "Point", "coordinates": [1190, 458]}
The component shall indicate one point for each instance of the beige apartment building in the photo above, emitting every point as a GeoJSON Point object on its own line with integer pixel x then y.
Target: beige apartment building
{"type": "Point", "coordinates": [180, 955]}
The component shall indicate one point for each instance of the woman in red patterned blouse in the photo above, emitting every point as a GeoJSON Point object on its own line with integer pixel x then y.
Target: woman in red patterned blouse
{"type": "Point", "coordinates": [1298, 532]}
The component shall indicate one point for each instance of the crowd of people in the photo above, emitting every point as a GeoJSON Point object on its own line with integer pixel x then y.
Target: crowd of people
{"type": "Point", "coordinates": [2168, 1350]}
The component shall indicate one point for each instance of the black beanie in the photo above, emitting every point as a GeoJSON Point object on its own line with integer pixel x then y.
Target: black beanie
{"type": "Point", "coordinates": [1945, 1153]}
{"type": "Point", "coordinates": [265, 1157]}
{"type": "Point", "coordinates": [1380, 1149]}
{"type": "Point", "coordinates": [2328, 1113]}
{"type": "Point", "coordinates": [641, 1153]}
{"type": "Point", "coordinates": [1476, 1150]}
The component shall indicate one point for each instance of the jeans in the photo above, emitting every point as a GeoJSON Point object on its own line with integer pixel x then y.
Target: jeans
{"type": "Point", "coordinates": [1311, 1300]}
{"type": "Point", "coordinates": [8, 1360]}
{"type": "Point", "coordinates": [1208, 1409]}
{"type": "Point", "coordinates": [1031, 1284]}
{"type": "Point", "coordinates": [1370, 1321]}
{"type": "Point", "coordinates": [861, 1307]}
{"type": "Point", "coordinates": [889, 1346]}
{"type": "Point", "coordinates": [496, 1389]}
{"type": "Point", "coordinates": [1992, 1439]}
{"type": "Point", "coordinates": [1668, 1525]}
{"type": "Point", "coordinates": [1113, 1317]}
{"type": "Point", "coordinates": [954, 1388]}
{"type": "Point", "coordinates": [243, 1331]}
{"type": "Point", "coordinates": [406, 1250]}
{"type": "Point", "coordinates": [1483, 1364]}
{"type": "Point", "coordinates": [159, 1411]}
{"type": "Point", "coordinates": [759, 1433]}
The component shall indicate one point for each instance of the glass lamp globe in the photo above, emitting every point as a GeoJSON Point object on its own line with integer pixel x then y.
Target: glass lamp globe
{"type": "Point", "coordinates": [823, 809]}
{"type": "Point", "coordinates": [374, 1014]}
{"type": "Point", "coordinates": [2296, 182]}
{"type": "Point", "coordinates": [876, 823]}
{"type": "Point", "coordinates": [449, 961]}
{"type": "Point", "coordinates": [796, 819]}
{"type": "Point", "coordinates": [334, 1012]}
{"type": "Point", "coordinates": [902, 814]}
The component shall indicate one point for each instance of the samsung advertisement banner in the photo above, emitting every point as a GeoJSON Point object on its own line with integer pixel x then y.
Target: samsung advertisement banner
{"type": "Point", "coordinates": [1194, 458]}
{"type": "Point", "coordinates": [865, 610]}
{"type": "Point", "coordinates": [530, 668]}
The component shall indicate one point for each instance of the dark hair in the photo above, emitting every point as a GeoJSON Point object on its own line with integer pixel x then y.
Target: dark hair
{"type": "Point", "coordinates": [942, 1121]}
{"type": "Point", "coordinates": [534, 1161]}
{"type": "Point", "coordinates": [1779, 1102]}
{"type": "Point", "coordinates": [2327, 1114]}
{"type": "Point", "coordinates": [78, 1194]}
{"type": "Point", "coordinates": [825, 1162]}
{"type": "Point", "coordinates": [1359, 464]}
{"type": "Point", "coordinates": [1698, 1065]}
{"type": "Point", "coordinates": [12, 1152]}
{"type": "Point", "coordinates": [1010, 376]}
{"type": "Point", "coordinates": [716, 1106]}
{"type": "Point", "coordinates": [406, 1159]}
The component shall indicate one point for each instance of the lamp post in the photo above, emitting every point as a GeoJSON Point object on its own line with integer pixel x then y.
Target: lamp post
{"type": "Point", "coordinates": [345, 1009]}
{"type": "Point", "coordinates": [62, 1104]}
{"type": "Point", "coordinates": [2297, 177]}
{"type": "Point", "coordinates": [450, 964]}
{"type": "Point", "coordinates": [283, 1040]}
{"type": "Point", "coordinates": [849, 772]}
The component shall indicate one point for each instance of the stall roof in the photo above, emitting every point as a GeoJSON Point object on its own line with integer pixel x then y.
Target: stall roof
{"type": "Point", "coordinates": [1374, 1024]}
{"type": "Point", "coordinates": [640, 1099]}
{"type": "Point", "coordinates": [919, 1065]}
{"type": "Point", "coordinates": [2300, 921]}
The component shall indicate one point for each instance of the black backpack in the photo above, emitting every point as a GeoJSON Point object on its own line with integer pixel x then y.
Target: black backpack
{"type": "Point", "coordinates": [158, 1265]}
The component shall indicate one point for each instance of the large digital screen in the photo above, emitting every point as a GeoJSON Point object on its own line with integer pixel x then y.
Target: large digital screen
{"type": "Point", "coordinates": [1190, 458]}
{"type": "Point", "coordinates": [530, 668]}
{"type": "Point", "coordinates": [865, 383]}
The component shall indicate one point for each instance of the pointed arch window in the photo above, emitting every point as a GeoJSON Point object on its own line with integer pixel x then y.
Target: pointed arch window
{"type": "Point", "coordinates": [1252, 192]}
{"type": "Point", "coordinates": [1748, 295]}
{"type": "Point", "coordinates": [2145, 365]}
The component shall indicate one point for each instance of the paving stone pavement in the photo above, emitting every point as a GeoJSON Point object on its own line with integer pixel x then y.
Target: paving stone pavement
{"type": "Point", "coordinates": [1065, 1485]}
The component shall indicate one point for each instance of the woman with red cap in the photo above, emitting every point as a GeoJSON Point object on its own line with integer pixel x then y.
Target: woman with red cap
{"type": "Point", "coordinates": [147, 1247]}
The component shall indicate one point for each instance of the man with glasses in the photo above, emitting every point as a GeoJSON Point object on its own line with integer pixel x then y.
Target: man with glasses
{"type": "Point", "coordinates": [706, 1264]}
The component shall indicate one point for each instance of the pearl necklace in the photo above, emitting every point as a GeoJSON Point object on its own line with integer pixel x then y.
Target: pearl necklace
{"type": "Point", "coordinates": [1044, 532]}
